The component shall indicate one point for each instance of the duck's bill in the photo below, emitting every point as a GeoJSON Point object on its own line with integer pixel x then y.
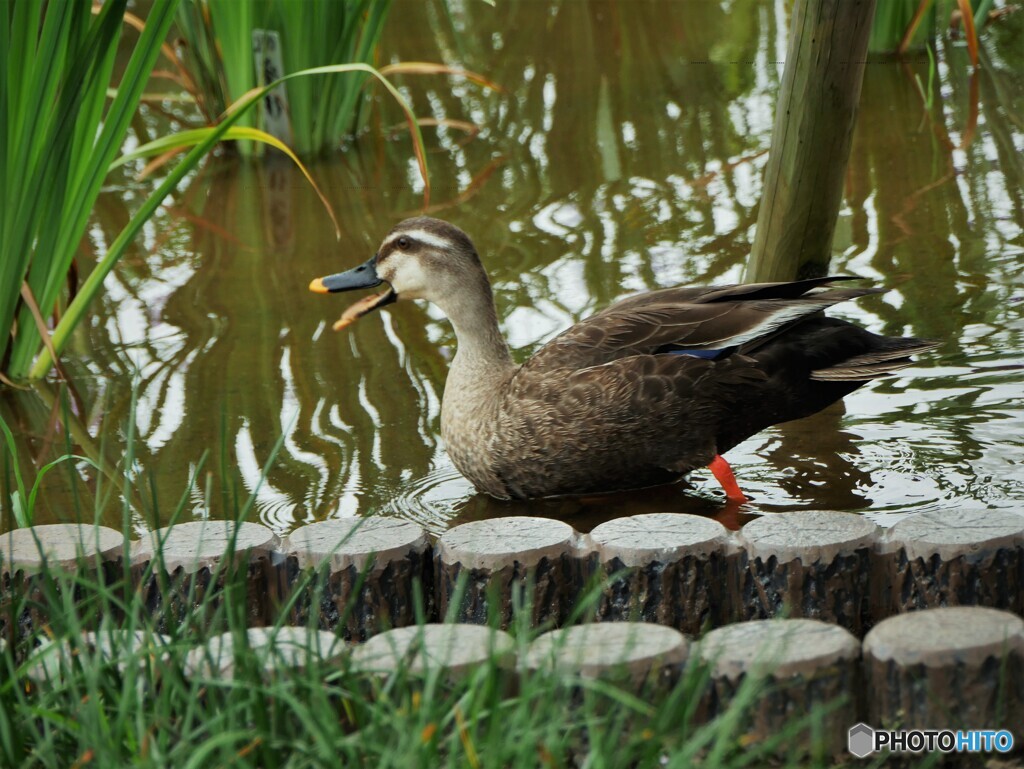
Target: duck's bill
{"type": "Point", "coordinates": [363, 276]}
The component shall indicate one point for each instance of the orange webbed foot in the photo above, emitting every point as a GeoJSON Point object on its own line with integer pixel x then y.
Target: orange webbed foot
{"type": "Point", "coordinates": [723, 474]}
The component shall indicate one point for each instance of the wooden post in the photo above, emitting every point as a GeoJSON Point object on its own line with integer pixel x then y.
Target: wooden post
{"type": "Point", "coordinates": [811, 139]}
{"type": "Point", "coordinates": [958, 667]}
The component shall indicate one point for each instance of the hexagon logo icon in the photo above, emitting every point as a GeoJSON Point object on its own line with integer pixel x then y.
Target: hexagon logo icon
{"type": "Point", "coordinates": [861, 740]}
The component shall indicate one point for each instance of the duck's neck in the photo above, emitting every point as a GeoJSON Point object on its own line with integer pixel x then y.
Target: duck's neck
{"type": "Point", "coordinates": [482, 360]}
{"type": "Point", "coordinates": [480, 343]}
{"type": "Point", "coordinates": [477, 381]}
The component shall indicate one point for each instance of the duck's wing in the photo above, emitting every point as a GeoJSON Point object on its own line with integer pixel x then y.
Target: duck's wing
{"type": "Point", "coordinates": [700, 323]}
{"type": "Point", "coordinates": [635, 421]}
{"type": "Point", "coordinates": [790, 289]}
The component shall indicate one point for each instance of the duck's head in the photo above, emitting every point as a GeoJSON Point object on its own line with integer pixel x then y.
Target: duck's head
{"type": "Point", "coordinates": [421, 258]}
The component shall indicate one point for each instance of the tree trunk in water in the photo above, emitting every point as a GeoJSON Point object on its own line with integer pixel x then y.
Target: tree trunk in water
{"type": "Point", "coordinates": [811, 139]}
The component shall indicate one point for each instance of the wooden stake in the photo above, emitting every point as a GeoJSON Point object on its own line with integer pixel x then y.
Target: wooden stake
{"type": "Point", "coordinates": [814, 120]}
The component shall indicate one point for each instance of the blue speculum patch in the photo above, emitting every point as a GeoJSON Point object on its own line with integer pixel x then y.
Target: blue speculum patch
{"type": "Point", "coordinates": [706, 354]}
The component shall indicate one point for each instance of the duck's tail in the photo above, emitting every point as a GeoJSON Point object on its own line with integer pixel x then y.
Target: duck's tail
{"type": "Point", "coordinates": [889, 354]}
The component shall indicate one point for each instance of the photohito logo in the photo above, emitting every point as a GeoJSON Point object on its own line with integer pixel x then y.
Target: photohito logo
{"type": "Point", "coordinates": [862, 741]}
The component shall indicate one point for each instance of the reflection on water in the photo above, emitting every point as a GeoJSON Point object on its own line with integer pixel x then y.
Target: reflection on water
{"type": "Point", "coordinates": [625, 155]}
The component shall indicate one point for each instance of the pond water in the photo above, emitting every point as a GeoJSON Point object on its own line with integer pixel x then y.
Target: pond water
{"type": "Point", "coordinates": [625, 154]}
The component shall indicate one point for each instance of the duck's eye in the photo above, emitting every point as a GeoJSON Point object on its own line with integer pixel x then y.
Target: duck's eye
{"type": "Point", "coordinates": [403, 243]}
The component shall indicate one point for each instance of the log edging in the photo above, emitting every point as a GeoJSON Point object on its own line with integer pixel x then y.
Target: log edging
{"type": "Point", "coordinates": [678, 570]}
{"type": "Point", "coordinates": [911, 669]}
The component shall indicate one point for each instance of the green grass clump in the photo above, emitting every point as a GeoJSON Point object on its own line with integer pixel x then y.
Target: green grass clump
{"type": "Point", "coordinates": [218, 54]}
{"type": "Point", "coordinates": [894, 18]}
{"type": "Point", "coordinates": [58, 136]}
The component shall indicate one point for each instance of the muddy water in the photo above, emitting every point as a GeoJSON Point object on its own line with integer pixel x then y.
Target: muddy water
{"type": "Point", "coordinates": [625, 154]}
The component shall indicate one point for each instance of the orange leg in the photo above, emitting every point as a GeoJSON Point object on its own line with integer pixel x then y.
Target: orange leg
{"type": "Point", "coordinates": [723, 474]}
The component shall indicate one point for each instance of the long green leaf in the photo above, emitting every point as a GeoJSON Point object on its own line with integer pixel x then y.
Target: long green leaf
{"type": "Point", "coordinates": [312, 34]}
{"type": "Point", "coordinates": [195, 136]}
{"type": "Point", "coordinates": [20, 516]}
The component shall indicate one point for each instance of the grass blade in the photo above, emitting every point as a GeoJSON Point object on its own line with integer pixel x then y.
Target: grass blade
{"type": "Point", "coordinates": [195, 136]}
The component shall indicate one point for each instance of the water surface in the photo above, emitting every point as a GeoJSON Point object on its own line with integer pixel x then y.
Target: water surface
{"type": "Point", "coordinates": [625, 154]}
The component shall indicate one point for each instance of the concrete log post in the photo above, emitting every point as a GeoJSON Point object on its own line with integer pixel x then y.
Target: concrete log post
{"type": "Point", "coordinates": [359, 576]}
{"type": "Point", "coordinates": [273, 650]}
{"type": "Point", "coordinates": [503, 564]}
{"type": "Point", "coordinates": [53, 662]}
{"type": "Point", "coordinates": [452, 650]}
{"type": "Point", "coordinates": [185, 573]}
{"type": "Point", "coordinates": [951, 558]}
{"type": "Point", "coordinates": [951, 668]}
{"type": "Point", "coordinates": [803, 666]}
{"type": "Point", "coordinates": [670, 569]}
{"type": "Point", "coordinates": [638, 654]}
{"type": "Point", "coordinates": [71, 554]}
{"type": "Point", "coordinates": [813, 564]}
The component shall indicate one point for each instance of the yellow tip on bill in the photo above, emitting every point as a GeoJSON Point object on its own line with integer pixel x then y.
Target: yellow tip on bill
{"type": "Point", "coordinates": [317, 286]}
{"type": "Point", "coordinates": [342, 323]}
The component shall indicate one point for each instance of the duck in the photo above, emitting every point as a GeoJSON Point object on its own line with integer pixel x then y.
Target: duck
{"type": "Point", "coordinates": [639, 394]}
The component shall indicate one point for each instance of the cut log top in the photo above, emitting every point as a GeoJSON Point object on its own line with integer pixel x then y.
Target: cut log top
{"type": "Point", "coordinates": [946, 636]}
{"type": "Point", "coordinates": [52, 658]}
{"type": "Point", "coordinates": [499, 542]}
{"type": "Point", "coordinates": [657, 538]}
{"type": "Point", "coordinates": [349, 542]}
{"type": "Point", "coordinates": [953, 533]}
{"type": "Point", "coordinates": [58, 544]}
{"type": "Point", "coordinates": [598, 648]}
{"type": "Point", "coordinates": [453, 648]}
{"type": "Point", "coordinates": [810, 536]}
{"type": "Point", "coordinates": [779, 647]}
{"type": "Point", "coordinates": [197, 545]}
{"type": "Point", "coordinates": [275, 649]}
